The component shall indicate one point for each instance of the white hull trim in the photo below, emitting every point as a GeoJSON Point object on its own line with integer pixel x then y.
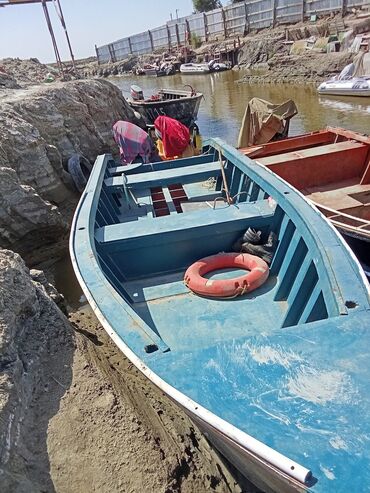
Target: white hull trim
{"type": "Point", "coordinates": [344, 92]}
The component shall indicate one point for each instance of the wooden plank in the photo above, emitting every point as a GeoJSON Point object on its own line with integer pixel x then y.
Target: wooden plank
{"type": "Point", "coordinates": [162, 178]}
{"type": "Point", "coordinates": [183, 222]}
{"type": "Point", "coordinates": [161, 165]}
{"type": "Point", "coordinates": [290, 144]}
{"type": "Point", "coordinates": [311, 152]}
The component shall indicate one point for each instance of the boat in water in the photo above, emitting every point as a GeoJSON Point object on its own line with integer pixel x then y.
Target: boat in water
{"type": "Point", "coordinates": [331, 168]}
{"type": "Point", "coordinates": [354, 80]}
{"type": "Point", "coordinates": [359, 86]}
{"type": "Point", "coordinates": [181, 105]}
{"type": "Point", "coordinates": [195, 68]}
{"type": "Point", "coordinates": [277, 378]}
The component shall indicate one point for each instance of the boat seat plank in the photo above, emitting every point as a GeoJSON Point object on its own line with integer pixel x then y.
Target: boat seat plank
{"type": "Point", "coordinates": [169, 201]}
{"type": "Point", "coordinates": [165, 177]}
{"type": "Point", "coordinates": [163, 165]}
{"type": "Point", "coordinates": [200, 191]}
{"type": "Point", "coordinates": [338, 147]}
{"type": "Point", "coordinates": [182, 224]}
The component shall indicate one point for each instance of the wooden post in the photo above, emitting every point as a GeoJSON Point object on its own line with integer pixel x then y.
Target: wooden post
{"type": "Point", "coordinates": [246, 18]}
{"type": "Point", "coordinates": [344, 7]}
{"type": "Point", "coordinates": [112, 53]}
{"type": "Point", "coordinates": [168, 37]}
{"type": "Point", "coordinates": [303, 10]}
{"type": "Point", "coordinates": [129, 45]}
{"type": "Point", "coordinates": [205, 26]}
{"type": "Point", "coordinates": [273, 6]}
{"type": "Point", "coordinates": [177, 35]}
{"type": "Point", "coordinates": [97, 54]}
{"type": "Point", "coordinates": [187, 33]}
{"type": "Point", "coordinates": [224, 23]}
{"type": "Point", "coordinates": [151, 40]}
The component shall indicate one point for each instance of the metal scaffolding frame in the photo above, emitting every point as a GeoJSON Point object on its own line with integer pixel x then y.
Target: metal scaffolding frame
{"type": "Point", "coordinates": [58, 9]}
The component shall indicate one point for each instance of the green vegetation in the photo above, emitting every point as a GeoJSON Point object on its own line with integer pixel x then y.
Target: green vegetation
{"type": "Point", "coordinates": [195, 40]}
{"type": "Point", "coordinates": [206, 5]}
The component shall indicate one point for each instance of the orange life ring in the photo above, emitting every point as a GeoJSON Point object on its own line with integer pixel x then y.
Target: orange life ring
{"type": "Point", "coordinates": [226, 288]}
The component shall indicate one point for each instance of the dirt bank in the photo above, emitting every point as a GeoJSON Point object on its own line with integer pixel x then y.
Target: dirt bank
{"type": "Point", "coordinates": [123, 433]}
{"type": "Point", "coordinates": [76, 416]}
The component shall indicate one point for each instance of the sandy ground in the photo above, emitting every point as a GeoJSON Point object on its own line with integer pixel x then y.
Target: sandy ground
{"type": "Point", "coordinates": [97, 425]}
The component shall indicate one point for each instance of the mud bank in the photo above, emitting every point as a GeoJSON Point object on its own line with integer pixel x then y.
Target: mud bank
{"type": "Point", "coordinates": [76, 416]}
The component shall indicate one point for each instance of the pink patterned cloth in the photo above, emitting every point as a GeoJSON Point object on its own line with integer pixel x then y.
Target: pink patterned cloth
{"type": "Point", "coordinates": [133, 142]}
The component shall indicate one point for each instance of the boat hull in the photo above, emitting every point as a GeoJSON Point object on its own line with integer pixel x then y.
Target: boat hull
{"type": "Point", "coordinates": [343, 92]}
{"type": "Point", "coordinates": [352, 87]}
{"type": "Point", "coordinates": [258, 472]}
{"type": "Point", "coordinates": [184, 109]}
{"type": "Point", "coordinates": [193, 69]}
{"type": "Point", "coordinates": [209, 356]}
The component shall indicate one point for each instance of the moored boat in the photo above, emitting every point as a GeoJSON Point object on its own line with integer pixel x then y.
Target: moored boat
{"type": "Point", "coordinates": [359, 86]}
{"type": "Point", "coordinates": [278, 379]}
{"type": "Point", "coordinates": [195, 68]}
{"type": "Point", "coordinates": [354, 80]}
{"type": "Point", "coordinates": [331, 168]}
{"type": "Point", "coordinates": [181, 105]}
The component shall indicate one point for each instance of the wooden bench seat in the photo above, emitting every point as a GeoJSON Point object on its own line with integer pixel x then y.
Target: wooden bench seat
{"type": "Point", "coordinates": [185, 225]}
{"type": "Point", "coordinates": [160, 165]}
{"type": "Point", "coordinates": [347, 145]}
{"type": "Point", "coordinates": [166, 177]}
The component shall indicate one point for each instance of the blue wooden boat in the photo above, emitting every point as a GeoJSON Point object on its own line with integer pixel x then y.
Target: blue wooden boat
{"type": "Point", "coordinates": [277, 379]}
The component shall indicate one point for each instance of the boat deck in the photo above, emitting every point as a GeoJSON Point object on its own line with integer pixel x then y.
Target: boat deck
{"type": "Point", "coordinates": [347, 196]}
{"type": "Point", "coordinates": [204, 321]}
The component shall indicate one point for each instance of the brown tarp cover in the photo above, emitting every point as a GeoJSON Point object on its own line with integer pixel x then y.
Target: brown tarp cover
{"type": "Point", "coordinates": [362, 64]}
{"type": "Point", "coordinates": [262, 120]}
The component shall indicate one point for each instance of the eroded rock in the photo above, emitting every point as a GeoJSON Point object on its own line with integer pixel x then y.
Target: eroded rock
{"type": "Point", "coordinates": [40, 128]}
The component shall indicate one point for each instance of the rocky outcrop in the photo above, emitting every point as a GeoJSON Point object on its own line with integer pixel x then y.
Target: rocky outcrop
{"type": "Point", "coordinates": [40, 128]}
{"type": "Point", "coordinates": [309, 67]}
{"type": "Point", "coordinates": [31, 328]}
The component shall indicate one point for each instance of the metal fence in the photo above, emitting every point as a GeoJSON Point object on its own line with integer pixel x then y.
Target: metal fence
{"type": "Point", "coordinates": [232, 20]}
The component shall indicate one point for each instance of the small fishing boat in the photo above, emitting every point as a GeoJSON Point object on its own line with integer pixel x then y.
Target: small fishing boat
{"type": "Point", "coordinates": [181, 105]}
{"type": "Point", "coordinates": [277, 378]}
{"type": "Point", "coordinates": [359, 86]}
{"type": "Point", "coordinates": [331, 168]}
{"type": "Point", "coordinates": [195, 68]}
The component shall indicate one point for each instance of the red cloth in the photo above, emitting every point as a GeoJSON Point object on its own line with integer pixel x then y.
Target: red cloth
{"type": "Point", "coordinates": [175, 135]}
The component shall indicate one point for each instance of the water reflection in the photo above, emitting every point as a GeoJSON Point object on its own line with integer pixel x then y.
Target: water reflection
{"type": "Point", "coordinates": [224, 103]}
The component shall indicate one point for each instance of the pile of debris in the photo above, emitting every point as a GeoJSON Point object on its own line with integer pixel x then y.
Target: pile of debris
{"type": "Point", "coordinates": [27, 72]}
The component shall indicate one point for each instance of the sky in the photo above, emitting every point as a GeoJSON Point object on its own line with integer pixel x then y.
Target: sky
{"type": "Point", "coordinates": [24, 33]}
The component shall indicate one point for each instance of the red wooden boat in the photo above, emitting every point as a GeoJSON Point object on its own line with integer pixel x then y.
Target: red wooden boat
{"type": "Point", "coordinates": [332, 168]}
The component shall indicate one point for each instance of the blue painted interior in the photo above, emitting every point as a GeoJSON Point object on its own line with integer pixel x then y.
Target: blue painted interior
{"type": "Point", "coordinates": [286, 363]}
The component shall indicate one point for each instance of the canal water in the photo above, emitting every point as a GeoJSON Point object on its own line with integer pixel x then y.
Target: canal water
{"type": "Point", "coordinates": [222, 109]}
{"type": "Point", "coordinates": [221, 113]}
